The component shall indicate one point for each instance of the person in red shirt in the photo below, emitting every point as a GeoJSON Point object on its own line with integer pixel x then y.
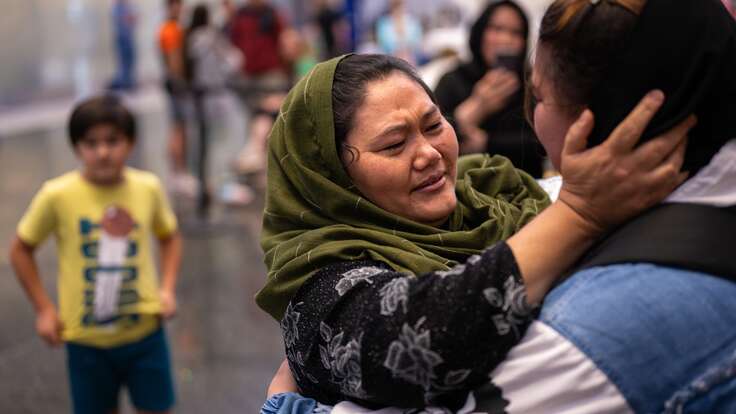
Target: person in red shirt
{"type": "Point", "coordinates": [256, 29]}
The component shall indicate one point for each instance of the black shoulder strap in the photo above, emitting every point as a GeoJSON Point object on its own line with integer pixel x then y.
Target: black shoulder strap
{"type": "Point", "coordinates": [689, 236]}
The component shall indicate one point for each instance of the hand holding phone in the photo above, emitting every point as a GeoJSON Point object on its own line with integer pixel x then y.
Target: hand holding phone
{"type": "Point", "coordinates": [509, 61]}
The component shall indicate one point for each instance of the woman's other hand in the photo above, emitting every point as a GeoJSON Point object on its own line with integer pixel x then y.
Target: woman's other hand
{"type": "Point", "coordinates": [495, 89]}
{"type": "Point", "coordinates": [282, 382]}
{"type": "Point", "coordinates": [490, 95]}
{"type": "Point", "coordinates": [612, 182]}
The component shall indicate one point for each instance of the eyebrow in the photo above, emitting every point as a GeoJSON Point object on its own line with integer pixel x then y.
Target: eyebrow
{"type": "Point", "coordinates": [429, 112]}
{"type": "Point", "coordinates": [403, 126]}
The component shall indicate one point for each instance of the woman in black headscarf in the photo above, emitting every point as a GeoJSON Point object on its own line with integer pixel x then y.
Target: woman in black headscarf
{"type": "Point", "coordinates": [484, 98]}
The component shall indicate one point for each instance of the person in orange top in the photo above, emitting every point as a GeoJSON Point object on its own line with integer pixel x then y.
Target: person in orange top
{"type": "Point", "coordinates": [171, 45]}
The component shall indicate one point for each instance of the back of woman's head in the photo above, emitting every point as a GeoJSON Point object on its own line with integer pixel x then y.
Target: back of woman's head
{"type": "Point", "coordinates": [607, 54]}
{"type": "Point", "coordinates": [579, 40]}
{"type": "Point", "coordinates": [350, 81]}
{"type": "Point", "coordinates": [200, 17]}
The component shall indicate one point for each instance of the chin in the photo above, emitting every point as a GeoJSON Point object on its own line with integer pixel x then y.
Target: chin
{"type": "Point", "coordinates": [106, 178]}
{"type": "Point", "coordinates": [439, 213]}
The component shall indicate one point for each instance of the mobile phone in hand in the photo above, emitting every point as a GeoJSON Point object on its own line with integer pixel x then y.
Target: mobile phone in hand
{"type": "Point", "coordinates": [510, 62]}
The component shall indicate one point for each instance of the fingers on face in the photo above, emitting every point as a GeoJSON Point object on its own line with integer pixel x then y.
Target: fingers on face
{"type": "Point", "coordinates": [576, 139]}
{"type": "Point", "coordinates": [628, 132]}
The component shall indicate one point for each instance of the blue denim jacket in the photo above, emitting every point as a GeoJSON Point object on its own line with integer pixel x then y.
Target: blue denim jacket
{"type": "Point", "coordinates": [665, 337]}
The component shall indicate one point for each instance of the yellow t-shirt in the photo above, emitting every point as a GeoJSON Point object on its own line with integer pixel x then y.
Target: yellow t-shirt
{"type": "Point", "coordinates": [71, 208]}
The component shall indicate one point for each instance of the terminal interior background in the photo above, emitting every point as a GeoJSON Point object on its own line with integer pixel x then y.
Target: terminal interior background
{"type": "Point", "coordinates": [56, 52]}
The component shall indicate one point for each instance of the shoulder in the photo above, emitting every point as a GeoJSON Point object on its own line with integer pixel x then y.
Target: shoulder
{"type": "Point", "coordinates": [452, 74]}
{"type": "Point", "coordinates": [348, 273]}
{"type": "Point", "coordinates": [354, 267]}
{"type": "Point", "coordinates": [454, 81]}
{"type": "Point", "coordinates": [61, 184]}
{"type": "Point", "coordinates": [143, 179]}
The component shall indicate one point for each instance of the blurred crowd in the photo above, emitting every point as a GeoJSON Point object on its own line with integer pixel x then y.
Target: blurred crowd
{"type": "Point", "coordinates": [473, 56]}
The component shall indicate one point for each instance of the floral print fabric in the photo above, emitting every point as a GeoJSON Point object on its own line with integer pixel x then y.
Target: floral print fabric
{"type": "Point", "coordinates": [360, 331]}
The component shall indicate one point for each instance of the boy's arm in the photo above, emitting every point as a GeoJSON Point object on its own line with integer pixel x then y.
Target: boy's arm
{"type": "Point", "coordinates": [48, 324]}
{"type": "Point", "coordinates": [170, 248]}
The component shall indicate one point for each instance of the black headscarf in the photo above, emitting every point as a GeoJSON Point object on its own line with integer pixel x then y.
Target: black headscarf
{"type": "Point", "coordinates": [686, 48]}
{"type": "Point", "coordinates": [479, 67]}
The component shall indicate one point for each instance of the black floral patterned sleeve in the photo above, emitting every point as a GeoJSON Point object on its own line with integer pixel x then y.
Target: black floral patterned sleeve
{"type": "Point", "coordinates": [360, 331]}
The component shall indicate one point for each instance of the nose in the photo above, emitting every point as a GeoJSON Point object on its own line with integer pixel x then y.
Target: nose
{"type": "Point", "coordinates": [102, 150]}
{"type": "Point", "coordinates": [506, 37]}
{"type": "Point", "coordinates": [426, 156]}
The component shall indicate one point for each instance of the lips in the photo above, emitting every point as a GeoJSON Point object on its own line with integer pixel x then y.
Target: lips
{"type": "Point", "coordinates": [429, 184]}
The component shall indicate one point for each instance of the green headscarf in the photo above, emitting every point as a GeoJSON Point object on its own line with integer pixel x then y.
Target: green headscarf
{"type": "Point", "coordinates": [314, 215]}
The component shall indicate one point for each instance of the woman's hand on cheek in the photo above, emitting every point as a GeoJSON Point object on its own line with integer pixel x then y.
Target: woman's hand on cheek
{"type": "Point", "coordinates": [612, 182]}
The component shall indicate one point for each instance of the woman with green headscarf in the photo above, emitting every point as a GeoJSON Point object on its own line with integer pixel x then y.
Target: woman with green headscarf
{"type": "Point", "coordinates": [401, 274]}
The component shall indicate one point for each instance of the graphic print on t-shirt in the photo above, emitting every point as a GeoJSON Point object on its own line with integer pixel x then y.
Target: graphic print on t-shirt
{"type": "Point", "coordinates": [108, 248]}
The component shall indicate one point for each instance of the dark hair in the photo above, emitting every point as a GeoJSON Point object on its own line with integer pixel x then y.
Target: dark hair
{"type": "Point", "coordinates": [200, 18]}
{"type": "Point", "coordinates": [170, 3]}
{"type": "Point", "coordinates": [349, 88]}
{"type": "Point", "coordinates": [578, 51]}
{"type": "Point", "coordinates": [105, 109]}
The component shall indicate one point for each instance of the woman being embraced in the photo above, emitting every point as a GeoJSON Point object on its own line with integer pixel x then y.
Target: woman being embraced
{"type": "Point", "coordinates": [401, 274]}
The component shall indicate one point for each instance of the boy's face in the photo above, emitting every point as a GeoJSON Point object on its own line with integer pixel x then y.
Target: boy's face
{"type": "Point", "coordinates": [103, 152]}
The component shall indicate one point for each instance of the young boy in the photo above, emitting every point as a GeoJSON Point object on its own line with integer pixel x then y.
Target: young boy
{"type": "Point", "coordinates": [110, 303]}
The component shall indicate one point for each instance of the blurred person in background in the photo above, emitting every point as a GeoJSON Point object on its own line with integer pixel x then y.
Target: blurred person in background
{"type": "Point", "coordinates": [485, 97]}
{"type": "Point", "coordinates": [171, 46]}
{"type": "Point", "coordinates": [228, 11]}
{"type": "Point", "coordinates": [399, 33]}
{"type": "Point", "coordinates": [111, 303]}
{"type": "Point", "coordinates": [444, 44]}
{"type": "Point", "coordinates": [256, 29]}
{"type": "Point", "coordinates": [331, 24]}
{"type": "Point", "coordinates": [368, 42]}
{"type": "Point", "coordinates": [124, 20]}
{"type": "Point", "coordinates": [298, 54]}
{"type": "Point", "coordinates": [211, 62]}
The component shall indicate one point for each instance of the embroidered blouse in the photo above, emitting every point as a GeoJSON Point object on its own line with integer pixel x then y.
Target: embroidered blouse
{"type": "Point", "coordinates": [360, 331]}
